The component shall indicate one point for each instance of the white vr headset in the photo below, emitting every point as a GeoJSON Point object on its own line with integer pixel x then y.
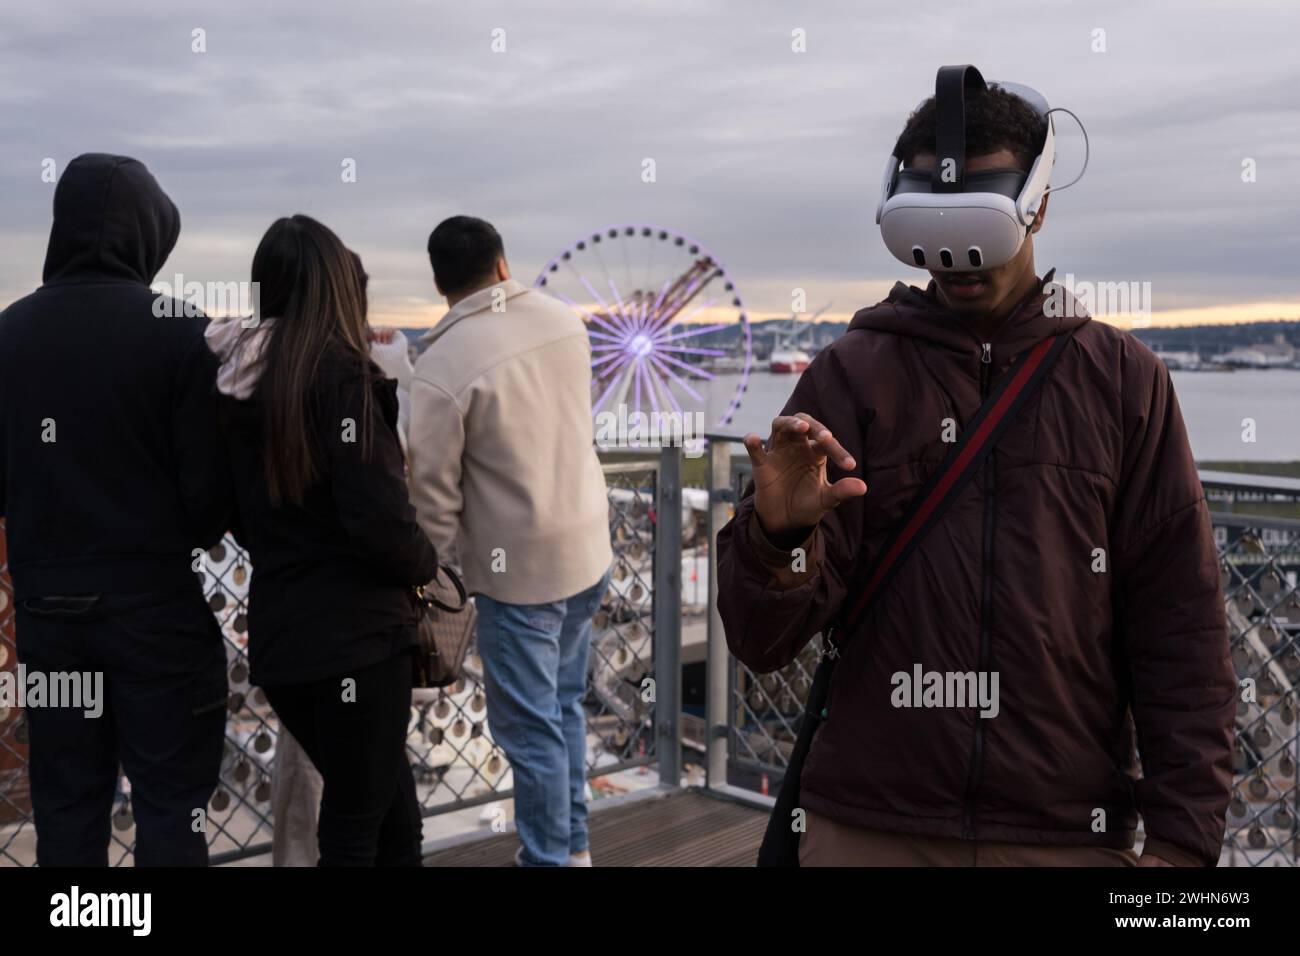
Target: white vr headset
{"type": "Point", "coordinates": [950, 220]}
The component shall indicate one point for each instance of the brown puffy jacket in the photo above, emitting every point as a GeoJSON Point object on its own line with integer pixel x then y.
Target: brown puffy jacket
{"type": "Point", "coordinates": [1088, 645]}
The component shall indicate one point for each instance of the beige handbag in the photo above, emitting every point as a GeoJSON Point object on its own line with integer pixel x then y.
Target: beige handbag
{"type": "Point", "coordinates": [447, 620]}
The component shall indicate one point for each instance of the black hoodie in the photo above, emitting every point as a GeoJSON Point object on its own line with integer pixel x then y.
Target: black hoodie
{"type": "Point", "coordinates": [111, 466]}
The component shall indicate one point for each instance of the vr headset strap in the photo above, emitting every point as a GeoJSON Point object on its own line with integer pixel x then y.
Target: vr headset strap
{"type": "Point", "coordinates": [950, 89]}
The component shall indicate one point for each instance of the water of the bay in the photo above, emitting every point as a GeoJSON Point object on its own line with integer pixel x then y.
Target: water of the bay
{"type": "Point", "coordinates": [1218, 407]}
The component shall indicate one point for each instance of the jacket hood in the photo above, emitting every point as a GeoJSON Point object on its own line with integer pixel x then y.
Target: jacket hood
{"type": "Point", "coordinates": [239, 350]}
{"type": "Point", "coordinates": [917, 313]}
{"type": "Point", "coordinates": [111, 220]}
{"type": "Point", "coordinates": [239, 347]}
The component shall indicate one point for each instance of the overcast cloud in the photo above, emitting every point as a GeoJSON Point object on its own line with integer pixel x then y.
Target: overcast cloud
{"type": "Point", "coordinates": [771, 158]}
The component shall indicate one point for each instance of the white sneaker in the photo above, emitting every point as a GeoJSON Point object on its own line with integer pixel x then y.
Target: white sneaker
{"type": "Point", "coordinates": [575, 859]}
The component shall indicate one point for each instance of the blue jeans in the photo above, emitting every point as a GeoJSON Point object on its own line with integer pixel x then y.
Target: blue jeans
{"type": "Point", "coordinates": [535, 672]}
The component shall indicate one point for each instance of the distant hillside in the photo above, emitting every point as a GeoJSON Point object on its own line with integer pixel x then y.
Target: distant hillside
{"type": "Point", "coordinates": [1210, 339]}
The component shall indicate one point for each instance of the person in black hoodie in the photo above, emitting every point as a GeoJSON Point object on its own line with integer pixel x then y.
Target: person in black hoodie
{"type": "Point", "coordinates": [113, 479]}
{"type": "Point", "coordinates": [336, 550]}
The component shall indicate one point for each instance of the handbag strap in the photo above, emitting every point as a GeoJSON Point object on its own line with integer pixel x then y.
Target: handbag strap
{"type": "Point", "coordinates": [963, 460]}
{"type": "Point", "coordinates": [426, 596]}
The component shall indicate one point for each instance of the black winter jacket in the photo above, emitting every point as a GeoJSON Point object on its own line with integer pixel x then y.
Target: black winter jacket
{"type": "Point", "coordinates": [332, 581]}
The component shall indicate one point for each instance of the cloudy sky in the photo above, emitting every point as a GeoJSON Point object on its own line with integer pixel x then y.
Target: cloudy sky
{"type": "Point", "coordinates": [768, 156]}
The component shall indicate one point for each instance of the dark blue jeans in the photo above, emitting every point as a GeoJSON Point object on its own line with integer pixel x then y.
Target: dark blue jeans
{"type": "Point", "coordinates": [535, 671]}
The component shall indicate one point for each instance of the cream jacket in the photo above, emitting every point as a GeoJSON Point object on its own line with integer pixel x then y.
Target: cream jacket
{"type": "Point", "coordinates": [502, 460]}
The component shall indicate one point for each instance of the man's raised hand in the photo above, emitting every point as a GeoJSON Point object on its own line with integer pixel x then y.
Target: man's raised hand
{"type": "Point", "coordinates": [790, 486]}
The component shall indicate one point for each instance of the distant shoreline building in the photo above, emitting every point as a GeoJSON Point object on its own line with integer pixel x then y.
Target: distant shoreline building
{"type": "Point", "coordinates": [1188, 361]}
{"type": "Point", "coordinates": [1276, 354]}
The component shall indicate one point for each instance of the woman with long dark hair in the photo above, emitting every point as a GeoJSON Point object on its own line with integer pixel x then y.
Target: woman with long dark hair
{"type": "Point", "coordinates": [323, 511]}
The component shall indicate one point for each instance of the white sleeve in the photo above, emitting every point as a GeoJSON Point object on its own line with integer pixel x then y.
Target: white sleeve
{"type": "Point", "coordinates": [436, 443]}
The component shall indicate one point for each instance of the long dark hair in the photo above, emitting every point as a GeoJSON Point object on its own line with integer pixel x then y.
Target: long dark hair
{"type": "Point", "coordinates": [313, 287]}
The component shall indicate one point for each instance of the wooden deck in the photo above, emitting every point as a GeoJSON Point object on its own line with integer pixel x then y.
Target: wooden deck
{"type": "Point", "coordinates": [682, 828]}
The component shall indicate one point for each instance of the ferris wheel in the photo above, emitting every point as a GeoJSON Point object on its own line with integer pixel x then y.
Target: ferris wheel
{"type": "Point", "coordinates": [667, 325]}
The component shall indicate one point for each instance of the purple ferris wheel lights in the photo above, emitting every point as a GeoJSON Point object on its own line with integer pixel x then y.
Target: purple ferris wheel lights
{"type": "Point", "coordinates": [659, 330]}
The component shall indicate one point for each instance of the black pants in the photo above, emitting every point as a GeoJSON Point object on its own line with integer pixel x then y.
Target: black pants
{"type": "Point", "coordinates": [355, 734]}
{"type": "Point", "coordinates": [163, 667]}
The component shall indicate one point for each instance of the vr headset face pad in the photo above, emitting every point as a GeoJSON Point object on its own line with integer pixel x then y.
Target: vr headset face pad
{"type": "Point", "coordinates": [1002, 182]}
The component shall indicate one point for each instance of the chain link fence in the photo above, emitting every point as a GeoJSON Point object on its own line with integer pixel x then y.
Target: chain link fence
{"type": "Point", "coordinates": [449, 739]}
{"type": "Point", "coordinates": [1259, 567]}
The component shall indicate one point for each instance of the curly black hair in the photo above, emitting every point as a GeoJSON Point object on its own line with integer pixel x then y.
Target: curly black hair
{"type": "Point", "coordinates": [994, 119]}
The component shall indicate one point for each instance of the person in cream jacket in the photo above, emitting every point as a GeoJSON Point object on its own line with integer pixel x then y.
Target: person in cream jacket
{"type": "Point", "coordinates": [502, 464]}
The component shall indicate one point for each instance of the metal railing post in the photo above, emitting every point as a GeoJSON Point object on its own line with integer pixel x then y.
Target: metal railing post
{"type": "Point", "coordinates": [668, 616]}
{"type": "Point", "coordinates": [718, 661]}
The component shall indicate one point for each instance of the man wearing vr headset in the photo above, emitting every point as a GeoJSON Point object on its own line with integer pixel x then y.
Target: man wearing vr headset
{"type": "Point", "coordinates": [1077, 564]}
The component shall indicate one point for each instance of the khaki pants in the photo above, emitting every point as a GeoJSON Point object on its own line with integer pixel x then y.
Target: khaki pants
{"type": "Point", "coordinates": [296, 788]}
{"type": "Point", "coordinates": [828, 843]}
